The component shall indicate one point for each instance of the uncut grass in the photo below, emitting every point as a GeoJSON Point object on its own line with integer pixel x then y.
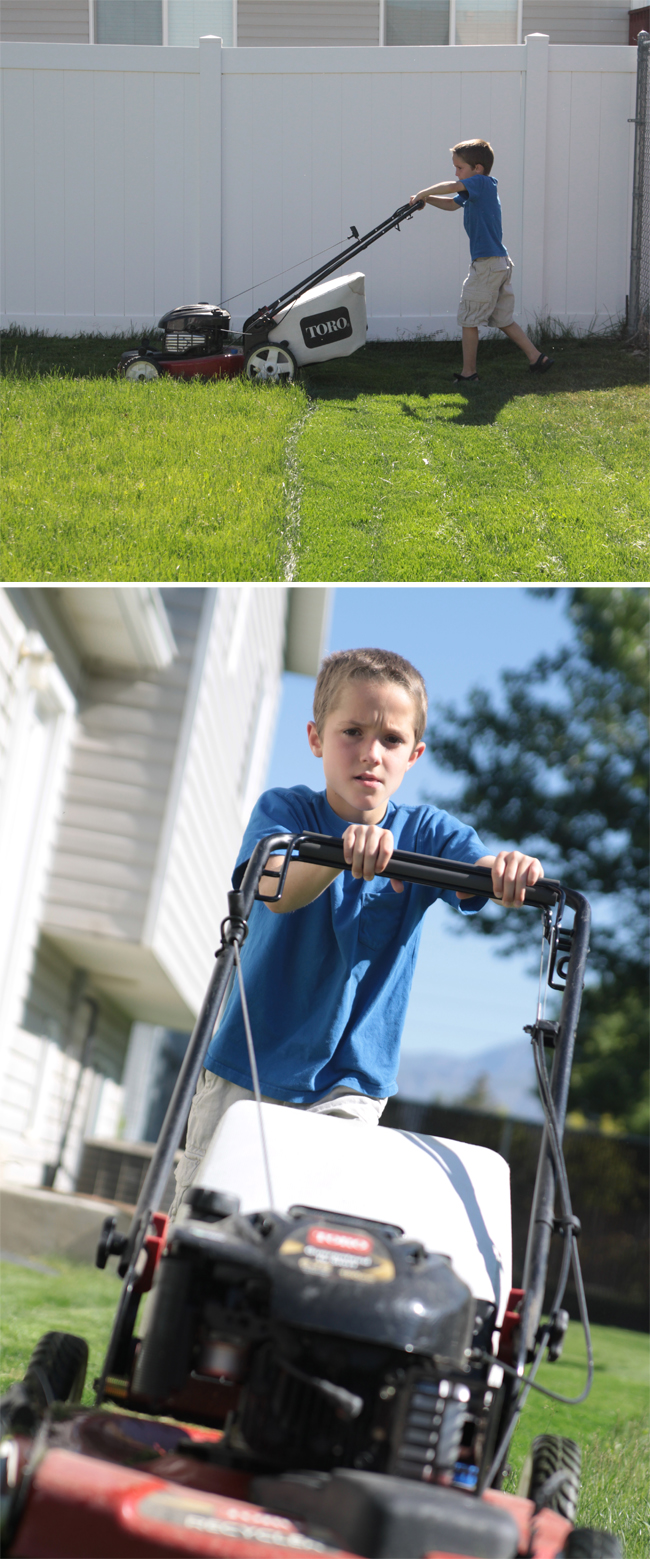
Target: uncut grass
{"type": "Point", "coordinates": [78, 1299]}
{"type": "Point", "coordinates": [611, 1426]}
{"type": "Point", "coordinates": [104, 479]}
{"type": "Point", "coordinates": [406, 476]}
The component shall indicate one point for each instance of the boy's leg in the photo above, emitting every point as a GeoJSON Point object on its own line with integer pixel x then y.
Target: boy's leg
{"type": "Point", "coordinates": [470, 349]}
{"type": "Point", "coordinates": [516, 334]}
{"type": "Point", "coordinates": [212, 1098]}
{"type": "Point", "coordinates": [503, 316]}
{"type": "Point", "coordinates": [349, 1106]}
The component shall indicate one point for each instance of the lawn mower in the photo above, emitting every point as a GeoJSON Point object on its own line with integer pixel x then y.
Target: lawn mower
{"type": "Point", "coordinates": [315, 320]}
{"type": "Point", "coordinates": [330, 1358]}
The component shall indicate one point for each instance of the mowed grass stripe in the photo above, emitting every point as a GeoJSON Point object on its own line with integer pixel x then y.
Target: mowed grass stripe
{"type": "Point", "coordinates": [500, 483]}
{"type": "Point", "coordinates": [394, 473]}
{"type": "Point", "coordinates": [108, 480]}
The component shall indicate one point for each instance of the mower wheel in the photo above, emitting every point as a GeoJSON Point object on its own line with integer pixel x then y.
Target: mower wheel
{"type": "Point", "coordinates": [550, 1456]}
{"type": "Point", "coordinates": [585, 1543]}
{"type": "Point", "coordinates": [140, 368]}
{"type": "Point", "coordinates": [271, 364]}
{"type": "Point", "coordinates": [57, 1369]}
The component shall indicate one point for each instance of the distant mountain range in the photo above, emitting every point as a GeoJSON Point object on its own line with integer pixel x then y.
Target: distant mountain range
{"type": "Point", "coordinates": [502, 1079]}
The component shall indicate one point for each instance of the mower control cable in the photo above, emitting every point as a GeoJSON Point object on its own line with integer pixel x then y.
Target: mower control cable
{"type": "Point", "coordinates": [255, 284]}
{"type": "Point", "coordinates": [266, 311]}
{"type": "Point", "coordinates": [254, 1072]}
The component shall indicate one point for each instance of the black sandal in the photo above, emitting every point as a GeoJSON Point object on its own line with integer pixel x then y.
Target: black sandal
{"type": "Point", "coordinates": [466, 379]}
{"type": "Point", "coordinates": [542, 364]}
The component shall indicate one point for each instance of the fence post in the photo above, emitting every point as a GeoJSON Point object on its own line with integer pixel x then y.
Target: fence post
{"type": "Point", "coordinates": [210, 170]}
{"type": "Point", "coordinates": [640, 242]}
{"type": "Point", "coordinates": [534, 177]}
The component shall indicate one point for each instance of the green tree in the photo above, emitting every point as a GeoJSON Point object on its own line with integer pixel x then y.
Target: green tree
{"type": "Point", "coordinates": [558, 766]}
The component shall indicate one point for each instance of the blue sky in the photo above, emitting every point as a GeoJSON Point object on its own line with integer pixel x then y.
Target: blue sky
{"type": "Point", "coordinates": [465, 997]}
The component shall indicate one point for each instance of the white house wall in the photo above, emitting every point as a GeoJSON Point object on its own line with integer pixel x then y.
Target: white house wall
{"type": "Point", "coordinates": [577, 21]}
{"type": "Point", "coordinates": [296, 23]}
{"type": "Point", "coordinates": [138, 178]}
{"type": "Point", "coordinates": [12, 632]}
{"type": "Point", "coordinates": [46, 1012]}
{"type": "Point", "coordinates": [45, 21]}
{"type": "Point", "coordinates": [222, 771]}
{"type": "Point", "coordinates": [107, 848]}
{"type": "Point", "coordinates": [163, 768]}
{"type": "Point", "coordinates": [37, 729]}
{"type": "Point", "coordinates": [40, 1072]}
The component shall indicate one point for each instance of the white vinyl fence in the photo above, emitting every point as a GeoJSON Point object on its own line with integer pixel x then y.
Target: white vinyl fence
{"type": "Point", "coordinates": [139, 178]}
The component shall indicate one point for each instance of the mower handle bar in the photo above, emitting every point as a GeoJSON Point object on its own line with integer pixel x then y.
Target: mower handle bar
{"type": "Point", "coordinates": [427, 870]}
{"type": "Point", "coordinates": [407, 866]}
{"type": "Point", "coordinates": [403, 214]}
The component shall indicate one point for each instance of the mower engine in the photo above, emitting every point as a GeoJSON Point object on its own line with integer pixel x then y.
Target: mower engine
{"type": "Point", "coordinates": [323, 1339]}
{"type": "Point", "coordinates": [197, 340]}
{"type": "Point", "coordinates": [333, 1343]}
{"type": "Point", "coordinates": [196, 330]}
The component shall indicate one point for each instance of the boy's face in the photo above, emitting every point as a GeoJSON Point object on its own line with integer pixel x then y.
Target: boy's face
{"type": "Point", "coordinates": [367, 746]}
{"type": "Point", "coordinates": [464, 170]}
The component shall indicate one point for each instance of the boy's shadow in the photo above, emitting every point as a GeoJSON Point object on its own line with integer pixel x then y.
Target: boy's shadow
{"type": "Point", "coordinates": [424, 373]}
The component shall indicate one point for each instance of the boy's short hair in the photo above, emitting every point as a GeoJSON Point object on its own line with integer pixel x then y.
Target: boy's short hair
{"type": "Point", "coordinates": [368, 666]}
{"type": "Point", "coordinates": [474, 152]}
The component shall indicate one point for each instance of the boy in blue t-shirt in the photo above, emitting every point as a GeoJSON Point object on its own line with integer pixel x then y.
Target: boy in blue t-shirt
{"type": "Point", "coordinates": [328, 969]}
{"type": "Point", "coordinates": [487, 297]}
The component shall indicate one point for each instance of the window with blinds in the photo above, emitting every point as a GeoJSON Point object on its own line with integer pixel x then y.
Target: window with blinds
{"type": "Point", "coordinates": [190, 20]}
{"type": "Point", "coordinates": [417, 21]}
{"type": "Point", "coordinates": [486, 21]}
{"type": "Point", "coordinates": [128, 21]}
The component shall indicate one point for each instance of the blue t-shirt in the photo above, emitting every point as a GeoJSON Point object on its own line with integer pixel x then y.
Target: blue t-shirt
{"type": "Point", "coordinates": [482, 216]}
{"type": "Point", "coordinates": [328, 985]}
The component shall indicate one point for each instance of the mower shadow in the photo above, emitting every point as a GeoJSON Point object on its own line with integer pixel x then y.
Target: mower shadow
{"type": "Point", "coordinates": [423, 372]}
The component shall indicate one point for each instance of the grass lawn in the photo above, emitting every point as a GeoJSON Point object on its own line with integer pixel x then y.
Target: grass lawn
{"type": "Point", "coordinates": [374, 467]}
{"type": "Point", "coordinates": [611, 1426]}
{"type": "Point", "coordinates": [513, 478]}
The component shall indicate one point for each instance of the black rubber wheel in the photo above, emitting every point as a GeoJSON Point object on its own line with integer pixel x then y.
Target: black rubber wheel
{"type": "Point", "coordinates": [585, 1543]}
{"type": "Point", "coordinates": [57, 1369]}
{"type": "Point", "coordinates": [550, 1454]}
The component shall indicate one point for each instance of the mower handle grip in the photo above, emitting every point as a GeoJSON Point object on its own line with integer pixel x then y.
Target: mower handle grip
{"type": "Point", "coordinates": [404, 866]}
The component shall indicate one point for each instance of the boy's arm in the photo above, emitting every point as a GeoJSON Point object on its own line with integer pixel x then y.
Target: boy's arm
{"type": "Point", "coordinates": [449, 187]}
{"type": "Point", "coordinates": [512, 873]}
{"type": "Point", "coordinates": [303, 884]}
{"type": "Point", "coordinates": [443, 202]}
{"type": "Point", "coordinates": [366, 848]}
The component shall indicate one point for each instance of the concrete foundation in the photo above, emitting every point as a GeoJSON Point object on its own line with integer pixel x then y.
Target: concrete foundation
{"type": "Point", "coordinates": [49, 1223]}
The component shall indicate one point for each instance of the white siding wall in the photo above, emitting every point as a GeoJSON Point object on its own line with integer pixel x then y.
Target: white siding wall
{"type": "Point", "coordinates": [12, 633]}
{"type": "Point", "coordinates": [162, 770]}
{"type": "Point", "coordinates": [119, 778]}
{"type": "Point", "coordinates": [45, 21]}
{"type": "Point", "coordinates": [37, 732]}
{"type": "Point", "coordinates": [112, 210]}
{"type": "Point", "coordinates": [299, 22]}
{"type": "Point", "coordinates": [577, 21]}
{"type": "Point", "coordinates": [296, 22]}
{"type": "Point", "coordinates": [222, 772]}
{"type": "Point", "coordinates": [41, 1067]}
{"type": "Point", "coordinates": [128, 836]}
{"type": "Point", "coordinates": [49, 1011]}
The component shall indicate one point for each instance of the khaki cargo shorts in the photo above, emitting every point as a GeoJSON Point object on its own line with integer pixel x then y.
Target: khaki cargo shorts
{"type": "Point", "coordinates": [487, 297]}
{"type": "Point", "coordinates": [213, 1097]}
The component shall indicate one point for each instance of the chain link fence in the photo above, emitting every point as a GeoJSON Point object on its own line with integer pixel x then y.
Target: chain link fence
{"type": "Point", "coordinates": [639, 303]}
